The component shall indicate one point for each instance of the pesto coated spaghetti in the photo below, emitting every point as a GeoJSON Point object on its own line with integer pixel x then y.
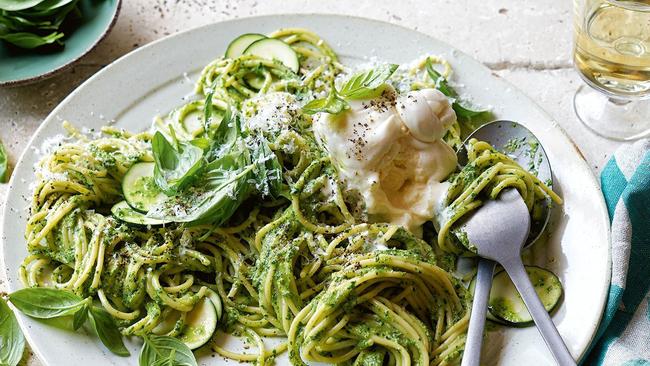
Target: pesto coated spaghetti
{"type": "Point", "coordinates": [232, 197]}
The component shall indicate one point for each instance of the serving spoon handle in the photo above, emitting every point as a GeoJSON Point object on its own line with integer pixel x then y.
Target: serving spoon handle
{"type": "Point", "coordinates": [515, 269]}
{"type": "Point", "coordinates": [474, 342]}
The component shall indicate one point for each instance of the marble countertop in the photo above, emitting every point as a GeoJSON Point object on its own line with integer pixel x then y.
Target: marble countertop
{"type": "Point", "coordinates": [527, 42]}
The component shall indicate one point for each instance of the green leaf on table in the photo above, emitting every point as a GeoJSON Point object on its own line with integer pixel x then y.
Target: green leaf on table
{"type": "Point", "coordinates": [12, 342]}
{"type": "Point", "coordinates": [4, 163]}
{"type": "Point", "coordinates": [175, 167]}
{"type": "Point", "coordinates": [46, 303]}
{"type": "Point", "coordinates": [15, 5]}
{"type": "Point", "coordinates": [31, 40]}
{"type": "Point", "coordinates": [107, 331]}
{"type": "Point", "coordinates": [366, 84]}
{"type": "Point", "coordinates": [164, 350]}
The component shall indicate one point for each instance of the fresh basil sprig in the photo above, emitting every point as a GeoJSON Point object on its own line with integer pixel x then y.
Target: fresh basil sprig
{"type": "Point", "coordinates": [366, 84]}
{"type": "Point", "coordinates": [34, 23]}
{"type": "Point", "coordinates": [175, 166]}
{"type": "Point", "coordinates": [47, 303]}
{"type": "Point", "coordinates": [12, 341]}
{"type": "Point", "coordinates": [167, 351]}
{"type": "Point", "coordinates": [363, 85]}
{"type": "Point", "coordinates": [333, 104]}
{"type": "Point", "coordinates": [235, 165]}
{"type": "Point", "coordinates": [442, 85]}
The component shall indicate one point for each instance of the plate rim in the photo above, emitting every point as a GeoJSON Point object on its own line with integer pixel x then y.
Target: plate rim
{"type": "Point", "coordinates": [592, 176]}
{"type": "Point", "coordinates": [46, 75]}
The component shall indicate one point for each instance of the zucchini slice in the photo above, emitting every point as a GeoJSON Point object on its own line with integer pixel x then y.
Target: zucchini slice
{"type": "Point", "coordinates": [193, 123]}
{"type": "Point", "coordinates": [274, 49]}
{"type": "Point", "coordinates": [168, 323]}
{"type": "Point", "coordinates": [124, 212]}
{"type": "Point", "coordinates": [216, 301]}
{"type": "Point", "coordinates": [488, 316]}
{"type": "Point", "coordinates": [200, 323]}
{"type": "Point", "coordinates": [140, 189]}
{"type": "Point", "coordinates": [254, 81]}
{"type": "Point", "coordinates": [507, 305]}
{"type": "Point", "coordinates": [237, 47]}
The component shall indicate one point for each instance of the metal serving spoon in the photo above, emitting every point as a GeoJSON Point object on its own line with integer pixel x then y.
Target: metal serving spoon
{"type": "Point", "coordinates": [485, 229]}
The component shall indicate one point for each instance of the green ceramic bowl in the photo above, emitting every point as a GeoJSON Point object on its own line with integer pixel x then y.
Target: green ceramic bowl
{"type": "Point", "coordinates": [18, 67]}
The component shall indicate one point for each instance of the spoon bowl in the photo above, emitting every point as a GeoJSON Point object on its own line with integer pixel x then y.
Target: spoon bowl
{"type": "Point", "coordinates": [522, 146]}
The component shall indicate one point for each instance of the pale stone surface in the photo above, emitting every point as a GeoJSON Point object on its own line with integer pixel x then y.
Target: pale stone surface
{"type": "Point", "coordinates": [527, 42]}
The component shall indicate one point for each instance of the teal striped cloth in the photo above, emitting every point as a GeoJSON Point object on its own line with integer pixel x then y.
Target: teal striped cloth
{"type": "Point", "coordinates": [623, 338]}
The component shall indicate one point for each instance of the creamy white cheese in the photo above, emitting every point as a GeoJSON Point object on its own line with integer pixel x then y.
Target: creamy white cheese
{"type": "Point", "coordinates": [390, 149]}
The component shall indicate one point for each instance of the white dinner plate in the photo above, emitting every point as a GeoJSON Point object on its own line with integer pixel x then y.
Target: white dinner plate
{"type": "Point", "coordinates": [155, 78]}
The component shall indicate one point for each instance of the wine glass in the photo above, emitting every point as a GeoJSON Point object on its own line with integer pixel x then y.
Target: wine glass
{"type": "Point", "coordinates": [612, 53]}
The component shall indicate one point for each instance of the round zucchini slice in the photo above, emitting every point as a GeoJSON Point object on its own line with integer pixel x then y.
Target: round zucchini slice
{"type": "Point", "coordinates": [123, 211]}
{"type": "Point", "coordinates": [488, 316]}
{"type": "Point", "coordinates": [200, 323]}
{"type": "Point", "coordinates": [140, 189]}
{"type": "Point", "coordinates": [274, 49]}
{"type": "Point", "coordinates": [237, 47]}
{"type": "Point", "coordinates": [507, 305]}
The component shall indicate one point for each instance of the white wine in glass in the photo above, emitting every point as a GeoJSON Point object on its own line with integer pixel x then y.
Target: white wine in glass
{"type": "Point", "coordinates": [612, 53]}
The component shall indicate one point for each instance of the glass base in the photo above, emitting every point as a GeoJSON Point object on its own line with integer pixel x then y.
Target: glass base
{"type": "Point", "coordinates": [616, 119]}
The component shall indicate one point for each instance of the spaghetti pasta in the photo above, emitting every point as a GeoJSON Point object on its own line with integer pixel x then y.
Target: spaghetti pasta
{"type": "Point", "coordinates": [304, 264]}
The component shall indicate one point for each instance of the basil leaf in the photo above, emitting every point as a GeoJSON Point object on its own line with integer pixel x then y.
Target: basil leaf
{"type": "Point", "coordinates": [175, 167]}
{"type": "Point", "coordinates": [157, 348]}
{"type": "Point", "coordinates": [213, 126]}
{"type": "Point", "coordinates": [267, 171]}
{"type": "Point", "coordinates": [442, 85]}
{"type": "Point", "coordinates": [465, 113]}
{"type": "Point", "coordinates": [332, 105]}
{"type": "Point", "coordinates": [52, 4]}
{"type": "Point", "coordinates": [79, 318]}
{"type": "Point", "coordinates": [50, 9]}
{"type": "Point", "coordinates": [31, 40]}
{"type": "Point", "coordinates": [107, 331]}
{"type": "Point", "coordinates": [225, 135]}
{"type": "Point", "coordinates": [366, 84]}
{"type": "Point", "coordinates": [15, 5]}
{"type": "Point", "coordinates": [45, 303]}
{"type": "Point", "coordinates": [224, 184]}
{"type": "Point", "coordinates": [12, 341]}
{"type": "Point", "coordinates": [3, 163]}
{"type": "Point", "coordinates": [19, 23]}
{"type": "Point", "coordinates": [170, 360]}
{"type": "Point", "coordinates": [439, 80]}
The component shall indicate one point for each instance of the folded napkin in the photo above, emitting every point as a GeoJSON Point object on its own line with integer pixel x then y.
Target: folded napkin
{"type": "Point", "coordinates": [623, 338]}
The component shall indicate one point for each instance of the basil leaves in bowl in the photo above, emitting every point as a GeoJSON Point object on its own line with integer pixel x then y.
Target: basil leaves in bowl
{"type": "Point", "coordinates": [38, 38]}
